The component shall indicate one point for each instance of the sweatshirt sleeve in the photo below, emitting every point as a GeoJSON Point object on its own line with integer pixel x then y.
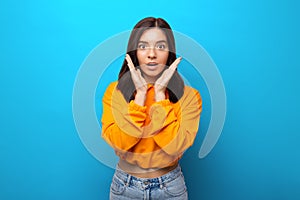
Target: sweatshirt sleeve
{"type": "Point", "coordinates": [175, 132]}
{"type": "Point", "coordinates": [121, 121]}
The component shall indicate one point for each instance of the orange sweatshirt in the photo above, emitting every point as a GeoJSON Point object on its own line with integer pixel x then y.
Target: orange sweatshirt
{"type": "Point", "coordinates": [154, 135]}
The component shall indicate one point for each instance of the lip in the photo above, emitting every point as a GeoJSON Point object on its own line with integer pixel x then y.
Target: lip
{"type": "Point", "coordinates": [152, 64]}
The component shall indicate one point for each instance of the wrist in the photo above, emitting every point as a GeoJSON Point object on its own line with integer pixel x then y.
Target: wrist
{"type": "Point", "coordinates": [140, 98]}
{"type": "Point", "coordinates": [160, 96]}
{"type": "Point", "coordinates": [140, 93]}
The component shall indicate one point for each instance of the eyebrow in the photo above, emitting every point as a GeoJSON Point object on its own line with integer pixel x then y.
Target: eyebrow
{"type": "Point", "coordinates": [156, 42]}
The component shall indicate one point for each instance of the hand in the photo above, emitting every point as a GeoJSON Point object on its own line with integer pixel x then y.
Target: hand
{"type": "Point", "coordinates": [162, 82]}
{"type": "Point", "coordinates": [137, 78]}
{"type": "Point", "coordinates": [138, 81]}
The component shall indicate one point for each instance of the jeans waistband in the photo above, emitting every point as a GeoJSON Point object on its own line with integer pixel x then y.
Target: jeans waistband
{"type": "Point", "coordinates": [143, 183]}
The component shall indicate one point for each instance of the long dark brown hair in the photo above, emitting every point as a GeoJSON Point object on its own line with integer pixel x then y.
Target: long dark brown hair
{"type": "Point", "coordinates": [175, 86]}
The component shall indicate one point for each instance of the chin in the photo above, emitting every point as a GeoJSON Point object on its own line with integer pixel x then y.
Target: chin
{"type": "Point", "coordinates": [153, 75]}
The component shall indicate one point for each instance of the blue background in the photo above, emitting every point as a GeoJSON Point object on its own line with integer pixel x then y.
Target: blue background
{"type": "Point", "coordinates": [255, 45]}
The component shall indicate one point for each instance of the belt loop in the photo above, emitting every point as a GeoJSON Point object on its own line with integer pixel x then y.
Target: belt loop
{"type": "Point", "coordinates": [128, 179]}
{"type": "Point", "coordinates": [160, 183]}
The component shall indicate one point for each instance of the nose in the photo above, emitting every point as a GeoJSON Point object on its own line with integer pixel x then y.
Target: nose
{"type": "Point", "coordinates": [151, 53]}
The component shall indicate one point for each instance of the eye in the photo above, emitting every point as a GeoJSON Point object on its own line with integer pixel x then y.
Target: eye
{"type": "Point", "coordinates": [161, 46]}
{"type": "Point", "coordinates": [142, 46]}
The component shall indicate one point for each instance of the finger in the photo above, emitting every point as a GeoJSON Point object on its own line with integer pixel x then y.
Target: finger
{"type": "Point", "coordinates": [141, 77]}
{"type": "Point", "coordinates": [139, 73]}
{"type": "Point", "coordinates": [175, 64]}
{"type": "Point", "coordinates": [164, 78]}
{"type": "Point", "coordinates": [129, 62]}
{"type": "Point", "coordinates": [137, 79]}
{"type": "Point", "coordinates": [128, 58]}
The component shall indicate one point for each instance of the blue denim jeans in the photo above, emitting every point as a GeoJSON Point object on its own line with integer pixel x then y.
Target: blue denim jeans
{"type": "Point", "coordinates": [169, 186]}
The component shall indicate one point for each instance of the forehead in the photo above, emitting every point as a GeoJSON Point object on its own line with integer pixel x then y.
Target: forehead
{"type": "Point", "coordinates": [153, 35]}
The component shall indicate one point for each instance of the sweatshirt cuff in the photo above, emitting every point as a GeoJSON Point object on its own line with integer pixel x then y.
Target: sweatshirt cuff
{"type": "Point", "coordinates": [165, 102]}
{"type": "Point", "coordinates": [160, 109]}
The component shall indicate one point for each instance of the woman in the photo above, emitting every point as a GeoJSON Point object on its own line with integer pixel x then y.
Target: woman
{"type": "Point", "coordinates": [150, 117]}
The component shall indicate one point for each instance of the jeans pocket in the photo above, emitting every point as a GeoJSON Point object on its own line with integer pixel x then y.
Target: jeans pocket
{"type": "Point", "coordinates": [176, 187]}
{"type": "Point", "coordinates": [117, 186]}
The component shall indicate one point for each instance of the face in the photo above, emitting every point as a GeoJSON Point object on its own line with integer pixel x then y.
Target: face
{"type": "Point", "coordinates": [152, 53]}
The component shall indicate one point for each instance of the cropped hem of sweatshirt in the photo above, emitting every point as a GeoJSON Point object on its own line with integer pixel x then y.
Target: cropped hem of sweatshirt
{"type": "Point", "coordinates": [151, 136]}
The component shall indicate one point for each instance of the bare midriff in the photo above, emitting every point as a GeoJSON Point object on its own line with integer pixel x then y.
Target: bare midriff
{"type": "Point", "coordinates": [137, 171]}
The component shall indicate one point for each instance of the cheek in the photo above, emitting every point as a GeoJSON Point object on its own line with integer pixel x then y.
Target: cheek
{"type": "Point", "coordinates": [164, 57]}
{"type": "Point", "coordinates": [140, 56]}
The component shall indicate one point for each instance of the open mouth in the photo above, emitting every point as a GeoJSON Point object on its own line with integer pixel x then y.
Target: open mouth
{"type": "Point", "coordinates": [152, 64]}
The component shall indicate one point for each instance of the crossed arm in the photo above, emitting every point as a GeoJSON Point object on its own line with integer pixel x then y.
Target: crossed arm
{"type": "Point", "coordinates": [173, 128]}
